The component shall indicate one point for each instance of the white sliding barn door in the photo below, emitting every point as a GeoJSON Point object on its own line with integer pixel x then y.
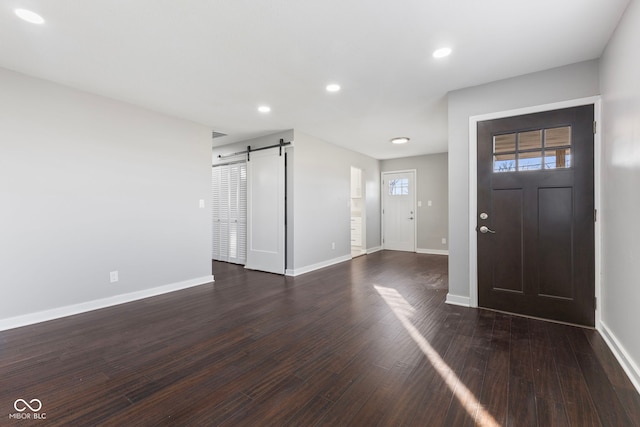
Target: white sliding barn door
{"type": "Point", "coordinates": [266, 205]}
{"type": "Point", "coordinates": [229, 183]}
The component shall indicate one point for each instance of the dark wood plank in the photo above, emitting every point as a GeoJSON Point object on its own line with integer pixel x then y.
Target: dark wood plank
{"type": "Point", "coordinates": [373, 411]}
{"type": "Point", "coordinates": [310, 414]}
{"type": "Point", "coordinates": [324, 348]}
{"type": "Point", "coordinates": [495, 388]}
{"type": "Point", "coordinates": [608, 406]}
{"type": "Point", "coordinates": [522, 401]}
{"type": "Point", "coordinates": [577, 399]}
{"type": "Point", "coordinates": [622, 385]}
{"type": "Point", "coordinates": [546, 379]}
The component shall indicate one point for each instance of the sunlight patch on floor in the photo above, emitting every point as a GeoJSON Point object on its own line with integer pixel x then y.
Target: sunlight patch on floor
{"type": "Point", "coordinates": [403, 311]}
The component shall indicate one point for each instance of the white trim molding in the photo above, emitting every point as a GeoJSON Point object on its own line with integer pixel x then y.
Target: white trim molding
{"type": "Point", "coordinates": [374, 250]}
{"type": "Point", "coordinates": [458, 300]}
{"type": "Point", "coordinates": [432, 251]}
{"type": "Point", "coordinates": [473, 184]}
{"type": "Point", "coordinates": [317, 266]}
{"type": "Point", "coordinates": [629, 366]}
{"type": "Point", "coordinates": [70, 310]}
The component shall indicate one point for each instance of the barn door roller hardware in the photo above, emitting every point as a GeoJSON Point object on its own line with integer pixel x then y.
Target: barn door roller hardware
{"type": "Point", "coordinates": [249, 150]}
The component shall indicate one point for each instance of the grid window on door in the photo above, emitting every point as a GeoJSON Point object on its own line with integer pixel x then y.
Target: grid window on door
{"type": "Point", "coordinates": [399, 187]}
{"type": "Point", "coordinates": [541, 149]}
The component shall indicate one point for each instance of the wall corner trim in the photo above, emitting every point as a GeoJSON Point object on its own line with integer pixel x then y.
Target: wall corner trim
{"type": "Point", "coordinates": [317, 266]}
{"type": "Point", "coordinates": [628, 364]}
{"type": "Point", "coordinates": [458, 300]}
{"type": "Point", "coordinates": [432, 251]}
{"type": "Point", "coordinates": [83, 307]}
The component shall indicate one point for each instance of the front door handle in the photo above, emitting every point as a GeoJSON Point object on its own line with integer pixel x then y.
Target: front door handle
{"type": "Point", "coordinates": [484, 230]}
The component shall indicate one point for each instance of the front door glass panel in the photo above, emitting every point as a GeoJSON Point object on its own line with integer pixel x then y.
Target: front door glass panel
{"type": "Point", "coordinates": [540, 149]}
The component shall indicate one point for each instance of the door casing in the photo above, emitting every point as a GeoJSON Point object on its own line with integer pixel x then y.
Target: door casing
{"type": "Point", "coordinates": [473, 191]}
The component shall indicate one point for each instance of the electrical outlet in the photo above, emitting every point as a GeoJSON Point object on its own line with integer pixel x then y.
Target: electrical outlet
{"type": "Point", "coordinates": [333, 245]}
{"type": "Point", "coordinates": [419, 204]}
{"type": "Point", "coordinates": [113, 276]}
{"type": "Point", "coordinates": [444, 241]}
{"type": "Point", "coordinates": [201, 204]}
{"type": "Point", "coordinates": [429, 203]}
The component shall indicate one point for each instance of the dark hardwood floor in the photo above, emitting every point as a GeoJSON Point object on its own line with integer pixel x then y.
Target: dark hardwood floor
{"type": "Point", "coordinates": [365, 343]}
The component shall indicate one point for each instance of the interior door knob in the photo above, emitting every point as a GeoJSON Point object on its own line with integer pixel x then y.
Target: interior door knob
{"type": "Point", "coordinates": [484, 230]}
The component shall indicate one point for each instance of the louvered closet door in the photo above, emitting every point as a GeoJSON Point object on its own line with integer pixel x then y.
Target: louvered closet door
{"type": "Point", "coordinates": [238, 213]}
{"type": "Point", "coordinates": [224, 213]}
{"type": "Point", "coordinates": [229, 186]}
{"type": "Point", "coordinates": [215, 211]}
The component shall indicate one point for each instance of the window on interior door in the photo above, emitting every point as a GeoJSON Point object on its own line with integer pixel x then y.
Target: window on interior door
{"type": "Point", "coordinates": [399, 187]}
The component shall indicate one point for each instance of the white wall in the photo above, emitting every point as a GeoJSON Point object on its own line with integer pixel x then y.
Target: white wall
{"type": "Point", "coordinates": [620, 68]}
{"type": "Point", "coordinates": [89, 185]}
{"type": "Point", "coordinates": [559, 84]}
{"type": "Point", "coordinates": [432, 184]}
{"type": "Point", "coordinates": [322, 194]}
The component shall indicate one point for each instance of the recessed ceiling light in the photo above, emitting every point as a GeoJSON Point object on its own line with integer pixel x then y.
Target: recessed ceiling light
{"type": "Point", "coordinates": [442, 52]}
{"type": "Point", "coordinates": [400, 140]}
{"type": "Point", "coordinates": [264, 108]}
{"type": "Point", "coordinates": [333, 87]}
{"type": "Point", "coordinates": [29, 16]}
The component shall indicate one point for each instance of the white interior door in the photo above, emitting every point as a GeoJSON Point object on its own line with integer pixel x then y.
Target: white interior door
{"type": "Point", "coordinates": [265, 208]}
{"type": "Point", "coordinates": [399, 211]}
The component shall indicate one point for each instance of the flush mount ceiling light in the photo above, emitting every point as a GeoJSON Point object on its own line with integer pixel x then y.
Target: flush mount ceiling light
{"type": "Point", "coordinates": [400, 140]}
{"type": "Point", "coordinates": [333, 87]}
{"type": "Point", "coordinates": [442, 52]}
{"type": "Point", "coordinates": [29, 16]}
{"type": "Point", "coordinates": [264, 108]}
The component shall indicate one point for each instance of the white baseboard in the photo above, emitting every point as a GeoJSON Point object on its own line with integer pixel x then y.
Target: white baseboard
{"type": "Point", "coordinates": [628, 364]}
{"type": "Point", "coordinates": [458, 300]}
{"type": "Point", "coordinates": [317, 266]}
{"type": "Point", "coordinates": [374, 249]}
{"type": "Point", "coordinates": [83, 307]}
{"type": "Point", "coordinates": [433, 251]}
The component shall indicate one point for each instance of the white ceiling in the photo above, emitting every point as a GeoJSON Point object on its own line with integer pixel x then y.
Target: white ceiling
{"type": "Point", "coordinates": [214, 61]}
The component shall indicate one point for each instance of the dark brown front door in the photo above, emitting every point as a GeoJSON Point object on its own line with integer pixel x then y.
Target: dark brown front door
{"type": "Point", "coordinates": [536, 215]}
